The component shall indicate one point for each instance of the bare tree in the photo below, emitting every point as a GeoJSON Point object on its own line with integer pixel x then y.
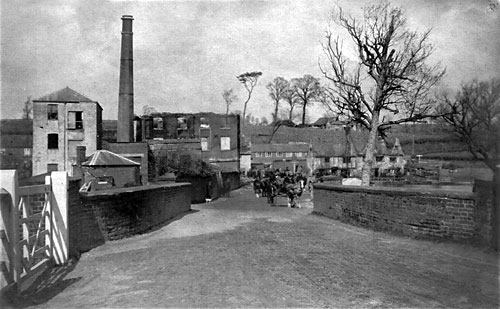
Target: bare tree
{"type": "Point", "coordinates": [148, 110]}
{"type": "Point", "coordinates": [277, 89]}
{"type": "Point", "coordinates": [474, 114]}
{"type": "Point", "coordinates": [28, 108]}
{"type": "Point", "coordinates": [229, 98]}
{"type": "Point", "coordinates": [390, 77]}
{"type": "Point", "coordinates": [307, 90]}
{"type": "Point", "coordinates": [249, 81]}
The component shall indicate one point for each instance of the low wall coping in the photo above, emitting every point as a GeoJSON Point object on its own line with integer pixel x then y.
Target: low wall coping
{"type": "Point", "coordinates": [398, 191]}
{"type": "Point", "coordinates": [131, 190]}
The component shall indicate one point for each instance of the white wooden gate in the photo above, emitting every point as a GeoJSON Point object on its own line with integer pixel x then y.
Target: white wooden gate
{"type": "Point", "coordinates": [33, 227]}
{"type": "Point", "coordinates": [35, 231]}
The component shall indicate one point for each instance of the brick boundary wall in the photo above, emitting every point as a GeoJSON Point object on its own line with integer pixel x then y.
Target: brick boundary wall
{"type": "Point", "coordinates": [100, 216]}
{"type": "Point", "coordinates": [434, 214]}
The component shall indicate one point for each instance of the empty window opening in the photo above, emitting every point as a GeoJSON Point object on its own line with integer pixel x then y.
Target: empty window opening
{"type": "Point", "coordinates": [52, 167]}
{"type": "Point", "coordinates": [52, 112]}
{"type": "Point", "coordinates": [75, 120]}
{"type": "Point", "coordinates": [157, 123]}
{"type": "Point", "coordinates": [204, 144]}
{"type": "Point", "coordinates": [225, 143]}
{"type": "Point", "coordinates": [52, 141]}
{"type": "Point", "coordinates": [204, 123]}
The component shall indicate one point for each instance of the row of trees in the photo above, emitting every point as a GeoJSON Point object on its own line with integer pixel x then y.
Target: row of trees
{"type": "Point", "coordinates": [302, 91]}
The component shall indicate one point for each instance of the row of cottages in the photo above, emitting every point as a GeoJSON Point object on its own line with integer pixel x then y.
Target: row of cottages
{"type": "Point", "coordinates": [292, 156]}
{"type": "Point", "coordinates": [328, 150]}
{"type": "Point", "coordinates": [347, 156]}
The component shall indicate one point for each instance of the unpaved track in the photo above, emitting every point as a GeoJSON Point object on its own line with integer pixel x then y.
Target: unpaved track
{"type": "Point", "coordinates": [239, 252]}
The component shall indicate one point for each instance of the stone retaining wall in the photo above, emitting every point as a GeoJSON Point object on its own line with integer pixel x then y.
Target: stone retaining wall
{"type": "Point", "coordinates": [438, 214]}
{"type": "Point", "coordinates": [99, 216]}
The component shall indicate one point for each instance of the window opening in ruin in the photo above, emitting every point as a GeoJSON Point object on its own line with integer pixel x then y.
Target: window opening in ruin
{"type": "Point", "coordinates": [75, 120]}
{"type": "Point", "coordinates": [52, 167]}
{"type": "Point", "coordinates": [157, 123]}
{"type": "Point", "coordinates": [204, 123]}
{"type": "Point", "coordinates": [225, 143]}
{"type": "Point", "coordinates": [52, 141]}
{"type": "Point", "coordinates": [204, 144]}
{"type": "Point", "coordinates": [182, 124]}
{"type": "Point", "coordinates": [52, 112]}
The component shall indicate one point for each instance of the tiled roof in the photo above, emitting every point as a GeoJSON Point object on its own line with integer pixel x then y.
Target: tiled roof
{"type": "Point", "coordinates": [323, 121]}
{"type": "Point", "coordinates": [16, 126]}
{"type": "Point", "coordinates": [16, 133]}
{"type": "Point", "coordinates": [108, 158]}
{"type": "Point", "coordinates": [64, 95]}
{"type": "Point", "coordinates": [295, 147]}
{"type": "Point", "coordinates": [16, 141]}
{"type": "Point", "coordinates": [325, 143]}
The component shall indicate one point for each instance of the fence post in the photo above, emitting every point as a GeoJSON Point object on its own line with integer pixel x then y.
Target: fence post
{"type": "Point", "coordinates": [9, 223]}
{"type": "Point", "coordinates": [59, 209]}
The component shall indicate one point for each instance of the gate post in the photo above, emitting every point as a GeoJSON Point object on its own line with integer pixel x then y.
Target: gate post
{"type": "Point", "coordinates": [59, 215]}
{"type": "Point", "coordinates": [9, 259]}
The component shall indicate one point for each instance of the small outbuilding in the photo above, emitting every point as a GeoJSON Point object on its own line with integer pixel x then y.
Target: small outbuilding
{"type": "Point", "coordinates": [106, 169]}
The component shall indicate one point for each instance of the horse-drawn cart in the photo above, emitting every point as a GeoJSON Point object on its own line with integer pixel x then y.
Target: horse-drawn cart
{"type": "Point", "coordinates": [274, 189]}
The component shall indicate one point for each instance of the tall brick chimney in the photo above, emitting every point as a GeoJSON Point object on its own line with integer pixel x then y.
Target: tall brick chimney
{"type": "Point", "coordinates": [125, 131]}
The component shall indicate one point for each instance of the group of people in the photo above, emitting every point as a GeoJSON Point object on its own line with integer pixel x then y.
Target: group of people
{"type": "Point", "coordinates": [273, 183]}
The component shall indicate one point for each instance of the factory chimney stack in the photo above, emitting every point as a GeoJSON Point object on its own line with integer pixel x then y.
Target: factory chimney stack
{"type": "Point", "coordinates": [125, 130]}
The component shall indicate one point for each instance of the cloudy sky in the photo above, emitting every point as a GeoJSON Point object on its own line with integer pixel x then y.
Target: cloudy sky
{"type": "Point", "coordinates": [187, 52]}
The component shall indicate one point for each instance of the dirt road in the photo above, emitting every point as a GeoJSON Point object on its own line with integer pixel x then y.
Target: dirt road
{"type": "Point", "coordinates": [239, 252]}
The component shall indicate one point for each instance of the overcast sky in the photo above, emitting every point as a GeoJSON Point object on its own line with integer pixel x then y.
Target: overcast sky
{"type": "Point", "coordinates": [187, 52]}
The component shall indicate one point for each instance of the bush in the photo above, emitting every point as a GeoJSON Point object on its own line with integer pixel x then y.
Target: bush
{"type": "Point", "coordinates": [183, 166]}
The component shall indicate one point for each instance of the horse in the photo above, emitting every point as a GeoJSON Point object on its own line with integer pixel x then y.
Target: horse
{"type": "Point", "coordinates": [257, 187]}
{"type": "Point", "coordinates": [288, 189]}
{"type": "Point", "coordinates": [294, 192]}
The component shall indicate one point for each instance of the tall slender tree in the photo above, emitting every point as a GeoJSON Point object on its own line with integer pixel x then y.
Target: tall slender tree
{"type": "Point", "coordinates": [249, 81]}
{"type": "Point", "coordinates": [390, 76]}
{"type": "Point", "coordinates": [290, 97]}
{"type": "Point", "coordinates": [277, 89]}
